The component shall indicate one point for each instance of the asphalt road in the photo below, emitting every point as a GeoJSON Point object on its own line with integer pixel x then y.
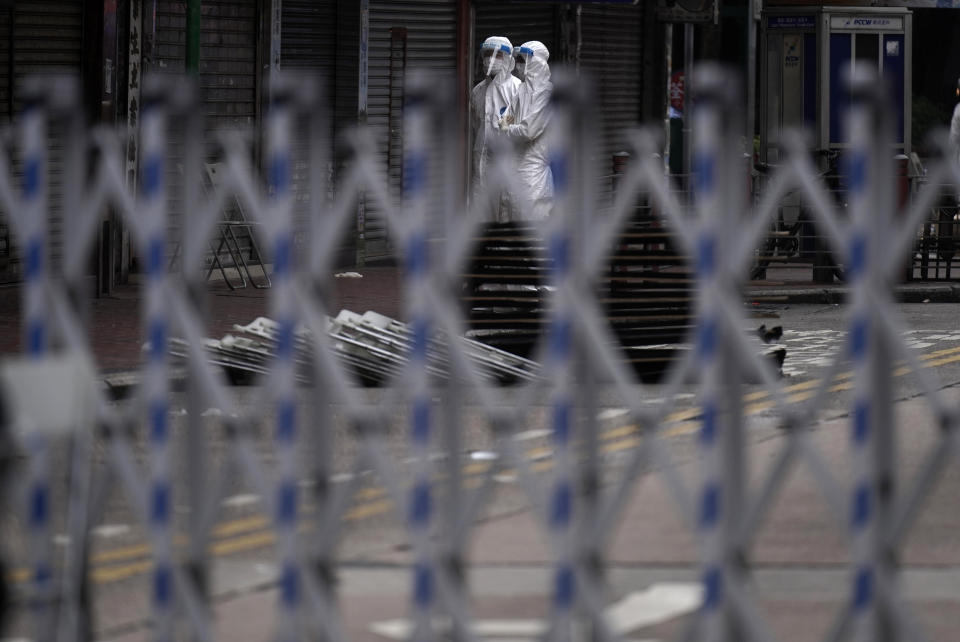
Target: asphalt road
{"type": "Point", "coordinates": [375, 537]}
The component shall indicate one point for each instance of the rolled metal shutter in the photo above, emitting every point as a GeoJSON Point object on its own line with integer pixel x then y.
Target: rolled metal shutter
{"type": "Point", "coordinates": [6, 80]}
{"type": "Point", "coordinates": [9, 256]}
{"type": "Point", "coordinates": [228, 69]}
{"type": "Point", "coordinates": [308, 43]}
{"type": "Point", "coordinates": [611, 54]}
{"type": "Point", "coordinates": [39, 37]}
{"type": "Point", "coordinates": [404, 35]}
{"type": "Point", "coordinates": [308, 35]}
{"type": "Point", "coordinates": [228, 56]}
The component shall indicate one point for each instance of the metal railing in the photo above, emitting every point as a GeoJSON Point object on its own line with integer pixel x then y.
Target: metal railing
{"type": "Point", "coordinates": [577, 350]}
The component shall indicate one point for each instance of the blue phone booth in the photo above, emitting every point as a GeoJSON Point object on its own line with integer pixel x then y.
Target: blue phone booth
{"type": "Point", "coordinates": [805, 54]}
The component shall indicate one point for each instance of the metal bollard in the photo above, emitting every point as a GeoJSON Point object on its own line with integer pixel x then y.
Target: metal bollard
{"type": "Point", "coordinates": [156, 377]}
{"type": "Point", "coordinates": [718, 198]}
{"type": "Point", "coordinates": [33, 228]}
{"type": "Point", "coordinates": [871, 499]}
{"type": "Point", "coordinates": [416, 184]}
{"type": "Point", "coordinates": [283, 308]}
{"type": "Point", "coordinates": [571, 380]}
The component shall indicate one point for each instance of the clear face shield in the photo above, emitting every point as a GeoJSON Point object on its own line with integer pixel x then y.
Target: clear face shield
{"type": "Point", "coordinates": [520, 65]}
{"type": "Point", "coordinates": [493, 57]}
{"type": "Point", "coordinates": [521, 56]}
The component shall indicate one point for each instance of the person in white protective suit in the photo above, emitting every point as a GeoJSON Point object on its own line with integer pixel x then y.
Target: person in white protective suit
{"type": "Point", "coordinates": [955, 129]}
{"type": "Point", "coordinates": [525, 123]}
{"type": "Point", "coordinates": [488, 101]}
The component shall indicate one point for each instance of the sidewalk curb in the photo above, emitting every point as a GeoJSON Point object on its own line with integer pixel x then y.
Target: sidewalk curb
{"type": "Point", "coordinates": [943, 293]}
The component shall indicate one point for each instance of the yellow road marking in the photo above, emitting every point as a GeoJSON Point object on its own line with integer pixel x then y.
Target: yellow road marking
{"type": "Point", "coordinates": [253, 532]}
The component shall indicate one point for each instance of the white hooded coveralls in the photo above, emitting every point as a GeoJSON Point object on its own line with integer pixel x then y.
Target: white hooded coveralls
{"type": "Point", "coordinates": [955, 132]}
{"type": "Point", "coordinates": [489, 99]}
{"type": "Point", "coordinates": [525, 124]}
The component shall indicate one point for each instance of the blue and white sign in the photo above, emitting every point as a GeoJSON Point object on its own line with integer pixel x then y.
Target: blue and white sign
{"type": "Point", "coordinates": [791, 22]}
{"type": "Point", "coordinates": [866, 23]}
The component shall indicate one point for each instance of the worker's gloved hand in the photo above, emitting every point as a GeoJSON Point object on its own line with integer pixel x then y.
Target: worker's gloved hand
{"type": "Point", "coordinates": [505, 122]}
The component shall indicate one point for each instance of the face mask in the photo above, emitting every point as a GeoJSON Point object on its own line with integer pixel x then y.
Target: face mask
{"type": "Point", "coordinates": [521, 68]}
{"type": "Point", "coordinates": [494, 67]}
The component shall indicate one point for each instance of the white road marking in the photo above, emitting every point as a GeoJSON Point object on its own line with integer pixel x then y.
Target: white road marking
{"type": "Point", "coordinates": [265, 569]}
{"type": "Point", "coordinates": [237, 501]}
{"type": "Point", "coordinates": [400, 629]}
{"type": "Point", "coordinates": [612, 413]}
{"type": "Point", "coordinates": [111, 530]}
{"type": "Point", "coordinates": [658, 603]}
{"type": "Point", "coordinates": [531, 434]}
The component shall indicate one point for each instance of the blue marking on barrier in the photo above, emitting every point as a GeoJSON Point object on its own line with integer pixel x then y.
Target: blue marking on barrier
{"type": "Point", "coordinates": [418, 257]}
{"type": "Point", "coordinates": [421, 421]}
{"type": "Point", "coordinates": [420, 504]}
{"type": "Point", "coordinates": [280, 173]}
{"type": "Point", "coordinates": [36, 337]}
{"type": "Point", "coordinates": [421, 333]}
{"type": "Point", "coordinates": [856, 171]}
{"type": "Point", "coordinates": [423, 585]}
{"type": "Point", "coordinates": [39, 505]}
{"type": "Point", "coordinates": [706, 256]}
{"type": "Point", "coordinates": [560, 334]}
{"type": "Point", "coordinates": [709, 506]}
{"type": "Point", "coordinates": [708, 428]}
{"type": "Point", "coordinates": [158, 340]}
{"type": "Point", "coordinates": [561, 422]}
{"type": "Point", "coordinates": [858, 256]}
{"type": "Point", "coordinates": [704, 174]}
{"type": "Point", "coordinates": [564, 588]}
{"type": "Point", "coordinates": [163, 586]}
{"type": "Point", "coordinates": [562, 505]}
{"type": "Point", "coordinates": [859, 334]}
{"type": "Point", "coordinates": [861, 506]}
{"type": "Point", "coordinates": [152, 176]}
{"type": "Point", "coordinates": [290, 585]}
{"type": "Point", "coordinates": [285, 337]}
{"type": "Point", "coordinates": [707, 339]}
{"type": "Point", "coordinates": [160, 504]}
{"type": "Point", "coordinates": [34, 267]}
{"type": "Point", "coordinates": [415, 171]}
{"type": "Point", "coordinates": [158, 422]}
{"type": "Point", "coordinates": [287, 503]}
{"type": "Point", "coordinates": [42, 574]}
{"type": "Point", "coordinates": [286, 421]}
{"type": "Point", "coordinates": [282, 257]}
{"type": "Point", "coordinates": [560, 255]}
{"type": "Point", "coordinates": [712, 588]}
{"type": "Point", "coordinates": [558, 169]}
{"type": "Point", "coordinates": [861, 422]}
{"type": "Point", "coordinates": [31, 177]}
{"type": "Point", "coordinates": [863, 588]}
{"type": "Point", "coordinates": [155, 252]}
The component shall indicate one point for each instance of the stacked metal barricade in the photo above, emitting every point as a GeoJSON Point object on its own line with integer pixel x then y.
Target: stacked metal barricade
{"type": "Point", "coordinates": [578, 352]}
